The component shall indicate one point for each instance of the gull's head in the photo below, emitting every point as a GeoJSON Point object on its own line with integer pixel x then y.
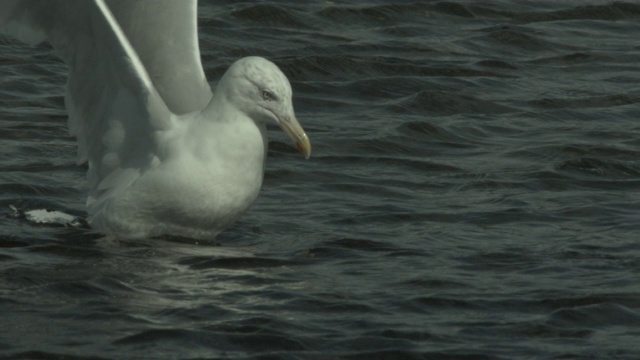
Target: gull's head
{"type": "Point", "coordinates": [257, 87]}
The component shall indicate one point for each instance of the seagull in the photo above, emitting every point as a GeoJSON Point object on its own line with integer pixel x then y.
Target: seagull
{"type": "Point", "coordinates": [167, 154]}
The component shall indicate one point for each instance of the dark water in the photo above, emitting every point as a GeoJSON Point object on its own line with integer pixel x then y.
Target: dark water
{"type": "Point", "coordinates": [473, 194]}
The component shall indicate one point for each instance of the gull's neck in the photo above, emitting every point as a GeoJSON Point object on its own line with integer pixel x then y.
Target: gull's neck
{"type": "Point", "coordinates": [225, 129]}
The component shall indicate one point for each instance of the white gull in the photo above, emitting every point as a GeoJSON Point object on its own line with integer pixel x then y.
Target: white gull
{"type": "Point", "coordinates": [166, 155]}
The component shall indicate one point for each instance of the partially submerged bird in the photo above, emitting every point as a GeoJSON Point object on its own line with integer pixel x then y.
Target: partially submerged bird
{"type": "Point", "coordinates": [166, 155]}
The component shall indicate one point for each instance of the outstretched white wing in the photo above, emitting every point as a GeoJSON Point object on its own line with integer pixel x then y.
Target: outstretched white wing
{"type": "Point", "coordinates": [114, 108]}
{"type": "Point", "coordinates": [164, 34]}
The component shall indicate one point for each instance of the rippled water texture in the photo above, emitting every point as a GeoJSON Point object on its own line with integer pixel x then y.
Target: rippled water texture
{"type": "Point", "coordinates": [473, 194]}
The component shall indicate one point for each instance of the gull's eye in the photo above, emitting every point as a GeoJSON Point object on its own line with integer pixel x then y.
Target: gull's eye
{"type": "Point", "coordinates": [268, 95]}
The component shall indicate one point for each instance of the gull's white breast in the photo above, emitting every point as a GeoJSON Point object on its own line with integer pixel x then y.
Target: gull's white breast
{"type": "Point", "coordinates": [207, 175]}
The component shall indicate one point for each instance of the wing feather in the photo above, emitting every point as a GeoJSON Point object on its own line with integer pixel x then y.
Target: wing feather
{"type": "Point", "coordinates": [164, 34]}
{"type": "Point", "coordinates": [114, 107]}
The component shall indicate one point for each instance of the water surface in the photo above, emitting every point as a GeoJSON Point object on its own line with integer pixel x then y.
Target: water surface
{"type": "Point", "coordinates": [473, 194]}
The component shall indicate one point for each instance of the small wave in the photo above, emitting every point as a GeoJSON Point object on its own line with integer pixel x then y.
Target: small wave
{"type": "Point", "coordinates": [612, 11]}
{"type": "Point", "coordinates": [595, 316]}
{"type": "Point", "coordinates": [206, 262]}
{"type": "Point", "coordinates": [270, 15]}
{"type": "Point", "coordinates": [586, 102]}
{"type": "Point", "coordinates": [590, 167]}
{"type": "Point", "coordinates": [445, 103]}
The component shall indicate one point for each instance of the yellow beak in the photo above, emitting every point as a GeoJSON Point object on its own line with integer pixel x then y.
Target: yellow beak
{"type": "Point", "coordinates": [293, 128]}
